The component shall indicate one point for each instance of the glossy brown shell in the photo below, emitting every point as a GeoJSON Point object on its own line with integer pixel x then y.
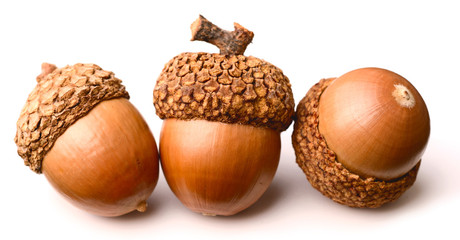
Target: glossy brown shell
{"type": "Point", "coordinates": [216, 168]}
{"type": "Point", "coordinates": [375, 121]}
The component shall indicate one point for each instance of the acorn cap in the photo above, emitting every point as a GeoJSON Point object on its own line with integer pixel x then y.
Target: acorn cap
{"type": "Point", "coordinates": [226, 87]}
{"type": "Point", "coordinates": [60, 98]}
{"type": "Point", "coordinates": [329, 176]}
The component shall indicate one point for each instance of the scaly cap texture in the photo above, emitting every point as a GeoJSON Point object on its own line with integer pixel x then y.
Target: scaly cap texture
{"type": "Point", "coordinates": [327, 175]}
{"type": "Point", "coordinates": [224, 88]}
{"type": "Point", "coordinates": [59, 99]}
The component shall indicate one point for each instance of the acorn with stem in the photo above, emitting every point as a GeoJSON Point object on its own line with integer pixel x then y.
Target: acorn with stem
{"type": "Point", "coordinates": [223, 115]}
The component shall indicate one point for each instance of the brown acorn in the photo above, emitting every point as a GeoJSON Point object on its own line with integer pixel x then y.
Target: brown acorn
{"type": "Point", "coordinates": [223, 115]}
{"type": "Point", "coordinates": [359, 138]}
{"type": "Point", "coordinates": [79, 129]}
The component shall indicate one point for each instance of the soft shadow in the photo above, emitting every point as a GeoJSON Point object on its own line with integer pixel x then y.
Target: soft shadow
{"type": "Point", "coordinates": [410, 197]}
{"type": "Point", "coordinates": [270, 198]}
{"type": "Point", "coordinates": [426, 189]}
{"type": "Point", "coordinates": [153, 205]}
{"type": "Point", "coordinates": [414, 196]}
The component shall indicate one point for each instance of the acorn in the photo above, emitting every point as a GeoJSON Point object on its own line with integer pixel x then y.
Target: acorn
{"type": "Point", "coordinates": [359, 138]}
{"type": "Point", "coordinates": [223, 115]}
{"type": "Point", "coordinates": [79, 129]}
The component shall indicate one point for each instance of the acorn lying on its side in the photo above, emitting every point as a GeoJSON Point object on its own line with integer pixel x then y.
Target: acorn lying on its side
{"type": "Point", "coordinates": [359, 138]}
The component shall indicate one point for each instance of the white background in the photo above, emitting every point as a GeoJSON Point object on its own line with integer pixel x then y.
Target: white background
{"type": "Point", "coordinates": [309, 40]}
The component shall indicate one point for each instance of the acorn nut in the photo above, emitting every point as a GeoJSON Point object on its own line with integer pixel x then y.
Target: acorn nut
{"type": "Point", "coordinates": [223, 115]}
{"type": "Point", "coordinates": [79, 129]}
{"type": "Point", "coordinates": [359, 138]}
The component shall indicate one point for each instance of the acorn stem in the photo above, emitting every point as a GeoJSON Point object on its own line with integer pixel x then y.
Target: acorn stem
{"type": "Point", "coordinates": [229, 43]}
{"type": "Point", "coordinates": [47, 68]}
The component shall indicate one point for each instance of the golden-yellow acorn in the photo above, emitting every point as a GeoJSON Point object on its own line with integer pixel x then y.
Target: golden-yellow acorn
{"type": "Point", "coordinates": [359, 138]}
{"type": "Point", "coordinates": [79, 129]}
{"type": "Point", "coordinates": [223, 115]}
